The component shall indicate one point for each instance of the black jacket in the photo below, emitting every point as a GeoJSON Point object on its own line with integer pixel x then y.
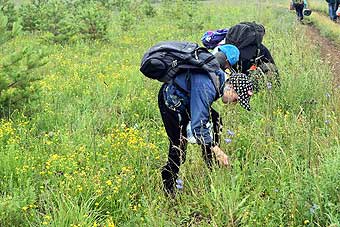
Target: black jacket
{"type": "Point", "coordinates": [248, 55]}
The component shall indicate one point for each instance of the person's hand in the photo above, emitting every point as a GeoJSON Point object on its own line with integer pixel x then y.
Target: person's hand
{"type": "Point", "coordinates": [229, 94]}
{"type": "Point", "coordinates": [221, 157]}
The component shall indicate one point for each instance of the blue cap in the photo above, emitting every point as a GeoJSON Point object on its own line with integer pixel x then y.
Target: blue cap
{"type": "Point", "coordinates": [231, 52]}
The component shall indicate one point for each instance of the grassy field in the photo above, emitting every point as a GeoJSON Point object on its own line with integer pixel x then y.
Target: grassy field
{"type": "Point", "coordinates": [322, 22]}
{"type": "Point", "coordinates": [327, 27]}
{"type": "Point", "coordinates": [91, 151]}
{"type": "Point", "coordinates": [20, 2]}
{"type": "Point", "coordinates": [320, 6]}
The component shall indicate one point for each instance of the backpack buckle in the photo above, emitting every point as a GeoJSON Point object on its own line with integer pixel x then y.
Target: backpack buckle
{"type": "Point", "coordinates": [174, 63]}
{"type": "Point", "coordinates": [196, 55]}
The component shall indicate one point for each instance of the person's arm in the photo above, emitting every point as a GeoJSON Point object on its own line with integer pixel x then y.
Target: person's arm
{"type": "Point", "coordinates": [305, 4]}
{"type": "Point", "coordinates": [202, 95]}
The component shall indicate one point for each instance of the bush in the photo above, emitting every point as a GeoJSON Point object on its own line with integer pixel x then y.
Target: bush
{"type": "Point", "coordinates": [185, 12]}
{"type": "Point", "coordinates": [93, 20]}
{"type": "Point", "coordinates": [30, 16]}
{"type": "Point", "coordinates": [126, 20]}
{"type": "Point", "coordinates": [65, 20]}
{"type": "Point", "coordinates": [7, 8]}
{"type": "Point", "coordinates": [147, 9]}
{"type": "Point", "coordinates": [16, 77]}
{"type": "Point", "coordinates": [132, 12]}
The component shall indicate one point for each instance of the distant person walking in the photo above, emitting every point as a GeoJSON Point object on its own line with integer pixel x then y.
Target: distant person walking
{"type": "Point", "coordinates": [299, 5]}
{"type": "Point", "coordinates": [333, 6]}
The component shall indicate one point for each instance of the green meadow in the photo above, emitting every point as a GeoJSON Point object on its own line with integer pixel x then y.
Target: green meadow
{"type": "Point", "coordinates": [88, 148]}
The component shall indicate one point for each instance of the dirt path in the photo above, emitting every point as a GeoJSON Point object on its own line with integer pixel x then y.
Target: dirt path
{"type": "Point", "coordinates": [330, 52]}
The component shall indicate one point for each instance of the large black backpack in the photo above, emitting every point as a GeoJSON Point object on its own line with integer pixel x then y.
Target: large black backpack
{"type": "Point", "coordinates": [165, 60]}
{"type": "Point", "coordinates": [246, 34]}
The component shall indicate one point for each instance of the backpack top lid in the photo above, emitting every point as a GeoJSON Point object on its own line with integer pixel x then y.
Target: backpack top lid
{"type": "Point", "coordinates": [211, 39]}
{"type": "Point", "coordinates": [245, 34]}
{"type": "Point", "coordinates": [166, 59]}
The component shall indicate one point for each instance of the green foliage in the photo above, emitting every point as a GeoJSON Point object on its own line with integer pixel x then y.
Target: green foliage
{"type": "Point", "coordinates": [326, 183]}
{"type": "Point", "coordinates": [266, 76]}
{"type": "Point", "coordinates": [126, 19]}
{"type": "Point", "coordinates": [144, 6]}
{"type": "Point", "coordinates": [133, 12]}
{"type": "Point", "coordinates": [147, 8]}
{"type": "Point", "coordinates": [7, 8]}
{"type": "Point", "coordinates": [12, 207]}
{"type": "Point", "coordinates": [93, 20]}
{"type": "Point", "coordinates": [186, 13]}
{"type": "Point", "coordinates": [16, 76]}
{"type": "Point", "coordinates": [116, 4]}
{"type": "Point", "coordinates": [29, 13]}
{"type": "Point", "coordinates": [326, 27]}
{"type": "Point", "coordinates": [66, 20]}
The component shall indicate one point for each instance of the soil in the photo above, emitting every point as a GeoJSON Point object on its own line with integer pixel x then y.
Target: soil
{"type": "Point", "coordinates": [330, 52]}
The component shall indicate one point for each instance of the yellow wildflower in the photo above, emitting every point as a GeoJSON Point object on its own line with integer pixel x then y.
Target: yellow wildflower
{"type": "Point", "coordinates": [109, 182]}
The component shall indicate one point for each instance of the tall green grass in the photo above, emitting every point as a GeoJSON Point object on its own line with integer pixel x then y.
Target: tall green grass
{"type": "Point", "coordinates": [319, 6]}
{"type": "Point", "coordinates": [90, 153]}
{"type": "Point", "coordinates": [327, 28]}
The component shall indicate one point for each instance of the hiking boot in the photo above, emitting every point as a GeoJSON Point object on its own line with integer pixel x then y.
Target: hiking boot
{"type": "Point", "coordinates": [169, 188]}
{"type": "Point", "coordinates": [168, 183]}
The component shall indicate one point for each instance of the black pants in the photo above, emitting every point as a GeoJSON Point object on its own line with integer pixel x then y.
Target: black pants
{"type": "Point", "coordinates": [299, 10]}
{"type": "Point", "coordinates": [175, 125]}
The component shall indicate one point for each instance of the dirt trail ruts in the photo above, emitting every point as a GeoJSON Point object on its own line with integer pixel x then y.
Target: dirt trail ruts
{"type": "Point", "coordinates": [330, 52]}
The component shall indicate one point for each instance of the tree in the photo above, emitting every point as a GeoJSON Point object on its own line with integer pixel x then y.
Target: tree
{"type": "Point", "coordinates": [17, 80]}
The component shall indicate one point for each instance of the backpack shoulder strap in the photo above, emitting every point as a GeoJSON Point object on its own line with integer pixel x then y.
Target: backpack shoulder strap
{"type": "Point", "coordinates": [206, 61]}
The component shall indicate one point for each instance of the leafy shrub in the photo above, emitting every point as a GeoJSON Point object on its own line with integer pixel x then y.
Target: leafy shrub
{"type": "Point", "coordinates": [16, 77]}
{"type": "Point", "coordinates": [30, 15]}
{"type": "Point", "coordinates": [185, 12]}
{"type": "Point", "coordinates": [46, 15]}
{"type": "Point", "coordinates": [147, 9]}
{"type": "Point", "coordinates": [93, 20]}
{"type": "Point", "coordinates": [126, 20]}
{"type": "Point", "coordinates": [115, 4]}
{"type": "Point", "coordinates": [65, 20]}
{"type": "Point", "coordinates": [7, 8]}
{"type": "Point", "coordinates": [132, 12]}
